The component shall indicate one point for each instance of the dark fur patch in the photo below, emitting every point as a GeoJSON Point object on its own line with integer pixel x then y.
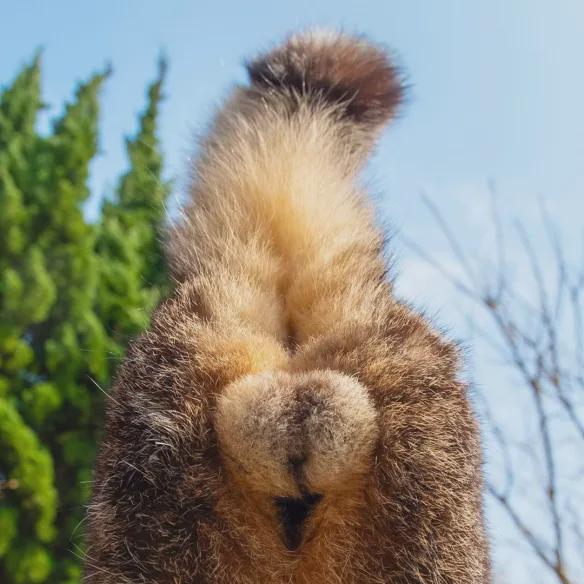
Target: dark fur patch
{"type": "Point", "coordinates": [344, 71]}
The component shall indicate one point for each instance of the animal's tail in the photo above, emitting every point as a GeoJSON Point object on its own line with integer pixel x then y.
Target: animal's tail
{"type": "Point", "coordinates": [278, 167]}
{"type": "Point", "coordinates": [346, 77]}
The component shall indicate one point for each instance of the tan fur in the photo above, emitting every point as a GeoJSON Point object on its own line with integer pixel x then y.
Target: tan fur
{"type": "Point", "coordinates": [285, 419]}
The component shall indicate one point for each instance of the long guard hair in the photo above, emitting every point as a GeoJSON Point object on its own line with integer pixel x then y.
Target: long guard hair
{"type": "Point", "coordinates": [286, 419]}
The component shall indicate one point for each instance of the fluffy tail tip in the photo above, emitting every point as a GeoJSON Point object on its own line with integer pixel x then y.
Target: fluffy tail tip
{"type": "Point", "coordinates": [349, 72]}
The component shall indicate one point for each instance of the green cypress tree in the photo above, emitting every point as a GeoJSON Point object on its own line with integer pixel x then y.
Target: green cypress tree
{"type": "Point", "coordinates": [47, 294]}
{"type": "Point", "coordinates": [132, 273]}
{"type": "Point", "coordinates": [71, 343]}
{"type": "Point", "coordinates": [71, 293]}
{"type": "Point", "coordinates": [27, 491]}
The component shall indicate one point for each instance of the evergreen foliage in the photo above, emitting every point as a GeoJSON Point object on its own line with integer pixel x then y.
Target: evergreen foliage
{"type": "Point", "coordinates": [71, 295]}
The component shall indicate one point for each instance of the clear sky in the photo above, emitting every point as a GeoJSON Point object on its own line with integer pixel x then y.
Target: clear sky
{"type": "Point", "coordinates": [497, 94]}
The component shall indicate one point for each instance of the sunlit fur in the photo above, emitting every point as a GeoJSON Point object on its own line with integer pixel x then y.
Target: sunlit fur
{"type": "Point", "coordinates": [282, 366]}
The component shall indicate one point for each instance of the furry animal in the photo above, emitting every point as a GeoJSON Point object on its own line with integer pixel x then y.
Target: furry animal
{"type": "Point", "coordinates": [286, 419]}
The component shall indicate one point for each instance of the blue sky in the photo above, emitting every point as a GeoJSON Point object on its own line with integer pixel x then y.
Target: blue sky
{"type": "Point", "coordinates": [497, 95]}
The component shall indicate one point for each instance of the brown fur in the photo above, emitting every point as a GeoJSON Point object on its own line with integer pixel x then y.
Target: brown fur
{"type": "Point", "coordinates": [286, 419]}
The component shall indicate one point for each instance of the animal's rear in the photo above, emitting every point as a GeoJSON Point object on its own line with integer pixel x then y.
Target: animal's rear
{"type": "Point", "coordinates": [286, 419]}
